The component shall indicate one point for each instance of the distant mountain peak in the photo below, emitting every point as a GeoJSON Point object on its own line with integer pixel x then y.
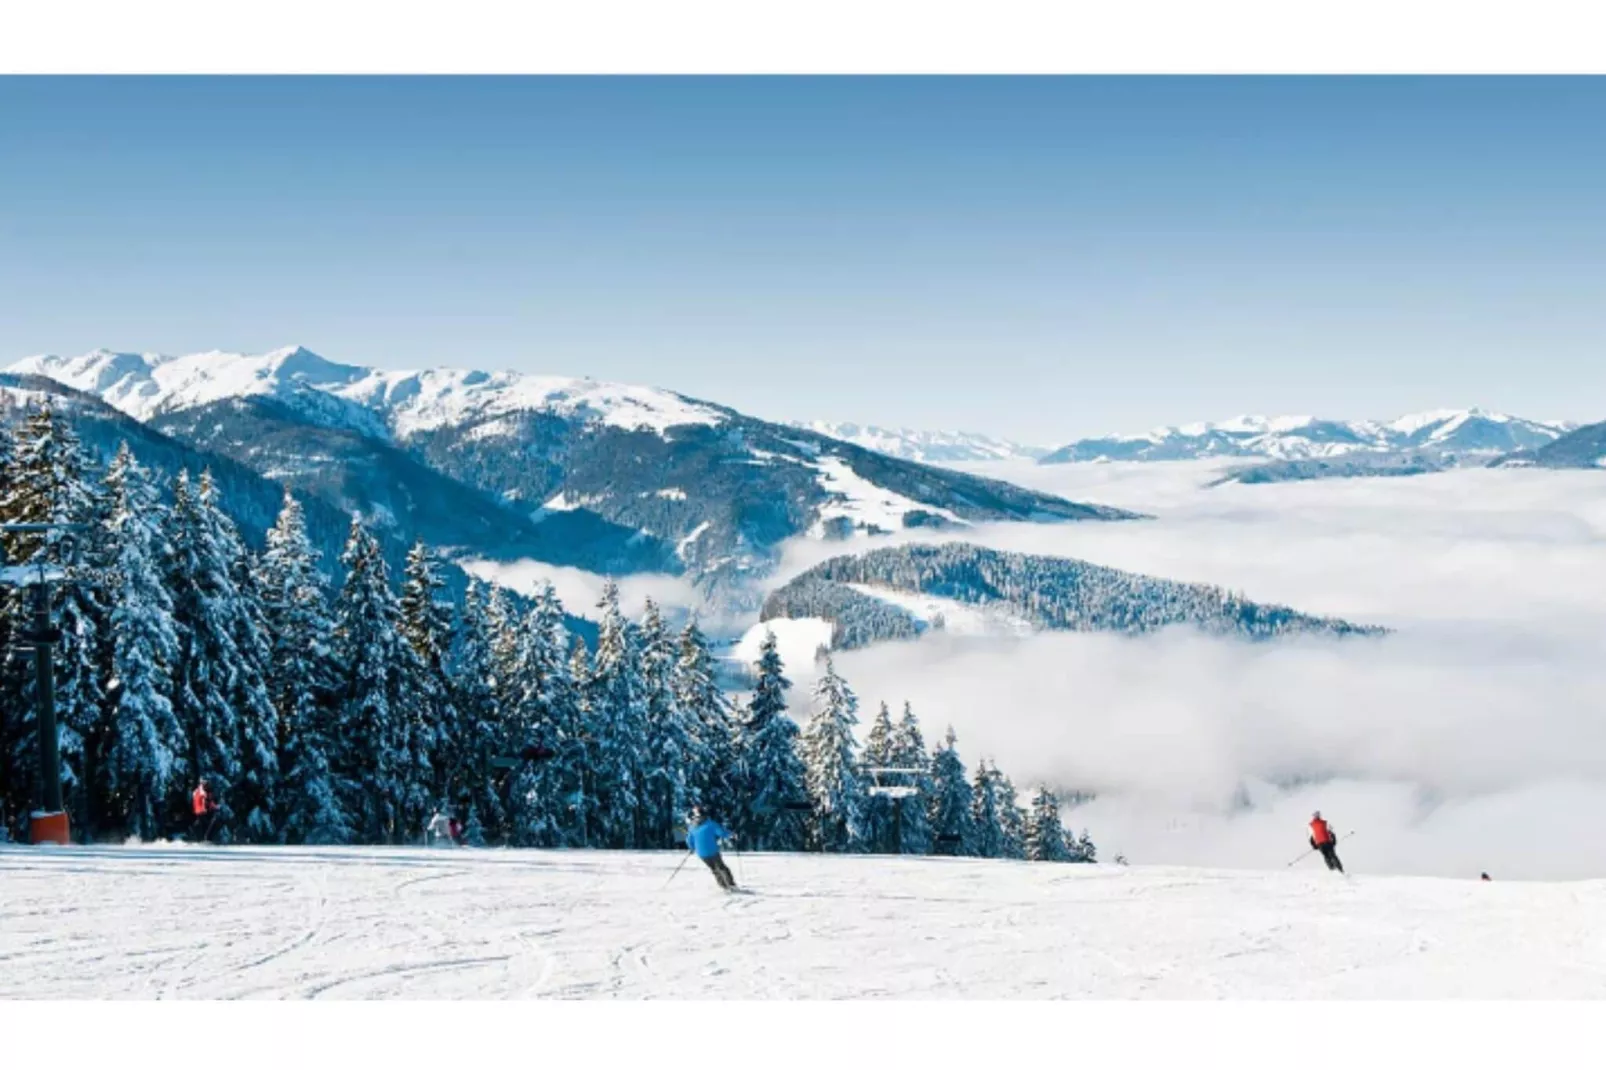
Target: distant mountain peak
{"type": "Point", "coordinates": [924, 447]}
{"type": "Point", "coordinates": [1450, 432]}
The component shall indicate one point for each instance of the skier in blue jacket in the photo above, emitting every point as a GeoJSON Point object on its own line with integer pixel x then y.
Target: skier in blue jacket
{"type": "Point", "coordinates": [702, 836]}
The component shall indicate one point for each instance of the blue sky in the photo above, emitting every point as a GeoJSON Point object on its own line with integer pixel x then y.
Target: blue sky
{"type": "Point", "coordinates": [1041, 258]}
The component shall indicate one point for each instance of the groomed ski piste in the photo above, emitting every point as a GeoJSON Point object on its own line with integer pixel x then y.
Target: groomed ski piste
{"type": "Point", "coordinates": [176, 921]}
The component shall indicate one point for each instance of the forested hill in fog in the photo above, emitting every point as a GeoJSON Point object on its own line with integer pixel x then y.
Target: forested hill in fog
{"type": "Point", "coordinates": [902, 591]}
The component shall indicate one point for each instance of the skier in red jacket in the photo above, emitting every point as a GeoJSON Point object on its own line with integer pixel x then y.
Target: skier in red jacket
{"type": "Point", "coordinates": [204, 809]}
{"type": "Point", "coordinates": [1322, 839]}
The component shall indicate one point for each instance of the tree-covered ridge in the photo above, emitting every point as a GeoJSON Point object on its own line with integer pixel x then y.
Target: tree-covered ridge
{"type": "Point", "coordinates": [406, 497]}
{"type": "Point", "coordinates": [351, 709]}
{"type": "Point", "coordinates": [1583, 447]}
{"type": "Point", "coordinates": [724, 496]}
{"type": "Point", "coordinates": [1349, 466]}
{"type": "Point", "coordinates": [1053, 593]}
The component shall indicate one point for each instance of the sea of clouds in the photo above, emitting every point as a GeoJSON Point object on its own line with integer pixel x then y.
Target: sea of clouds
{"type": "Point", "coordinates": [1473, 738]}
{"type": "Point", "coordinates": [581, 591]}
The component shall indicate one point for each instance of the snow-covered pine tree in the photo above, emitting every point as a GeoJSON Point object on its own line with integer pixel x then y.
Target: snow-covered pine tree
{"type": "Point", "coordinates": [198, 575]}
{"type": "Point", "coordinates": [50, 485]}
{"type": "Point", "coordinates": [301, 682]}
{"type": "Point", "coordinates": [831, 769]}
{"type": "Point", "coordinates": [1045, 837]}
{"type": "Point", "coordinates": [13, 778]}
{"type": "Point", "coordinates": [909, 752]}
{"type": "Point", "coordinates": [673, 743]}
{"type": "Point", "coordinates": [19, 762]}
{"type": "Point", "coordinates": [46, 485]}
{"type": "Point", "coordinates": [549, 783]}
{"type": "Point", "coordinates": [8, 475]}
{"type": "Point", "coordinates": [950, 802]}
{"type": "Point", "coordinates": [534, 790]}
{"type": "Point", "coordinates": [711, 766]}
{"type": "Point", "coordinates": [581, 799]}
{"type": "Point", "coordinates": [522, 662]}
{"type": "Point", "coordinates": [986, 812]}
{"type": "Point", "coordinates": [510, 689]}
{"type": "Point", "coordinates": [434, 735]}
{"type": "Point", "coordinates": [1011, 818]}
{"type": "Point", "coordinates": [879, 810]}
{"type": "Point", "coordinates": [370, 752]}
{"type": "Point", "coordinates": [618, 718]}
{"type": "Point", "coordinates": [541, 794]}
{"type": "Point", "coordinates": [474, 829]}
{"type": "Point", "coordinates": [505, 630]}
{"type": "Point", "coordinates": [473, 783]}
{"type": "Point", "coordinates": [144, 645]}
{"type": "Point", "coordinates": [1083, 849]}
{"type": "Point", "coordinates": [771, 775]}
{"type": "Point", "coordinates": [256, 787]}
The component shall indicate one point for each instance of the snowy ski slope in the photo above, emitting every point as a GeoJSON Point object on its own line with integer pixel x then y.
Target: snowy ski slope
{"type": "Point", "coordinates": [354, 923]}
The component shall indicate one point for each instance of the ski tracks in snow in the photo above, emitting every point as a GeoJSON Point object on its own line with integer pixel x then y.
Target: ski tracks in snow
{"type": "Point", "coordinates": [175, 921]}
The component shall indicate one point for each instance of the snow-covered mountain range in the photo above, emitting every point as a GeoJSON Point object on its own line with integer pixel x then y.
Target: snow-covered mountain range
{"type": "Point", "coordinates": [403, 403]}
{"type": "Point", "coordinates": [1298, 447]}
{"type": "Point", "coordinates": [927, 447]}
{"type": "Point", "coordinates": [1582, 447]}
{"type": "Point", "coordinates": [601, 476]}
{"type": "Point", "coordinates": [1447, 435]}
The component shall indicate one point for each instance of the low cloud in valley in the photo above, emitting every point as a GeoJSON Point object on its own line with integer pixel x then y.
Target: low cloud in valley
{"type": "Point", "coordinates": [1473, 738]}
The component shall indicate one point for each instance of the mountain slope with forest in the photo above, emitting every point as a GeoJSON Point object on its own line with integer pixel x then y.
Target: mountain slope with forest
{"type": "Point", "coordinates": [864, 597]}
{"type": "Point", "coordinates": [603, 476]}
{"type": "Point", "coordinates": [1584, 447]}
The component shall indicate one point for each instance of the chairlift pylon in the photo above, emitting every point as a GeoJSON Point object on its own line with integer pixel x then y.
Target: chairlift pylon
{"type": "Point", "coordinates": [48, 824]}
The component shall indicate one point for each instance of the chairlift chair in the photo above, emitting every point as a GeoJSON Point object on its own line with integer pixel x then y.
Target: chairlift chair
{"type": "Point", "coordinates": [896, 783]}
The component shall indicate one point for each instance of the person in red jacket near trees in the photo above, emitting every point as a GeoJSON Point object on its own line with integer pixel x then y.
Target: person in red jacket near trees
{"type": "Point", "coordinates": [204, 808]}
{"type": "Point", "coordinates": [1322, 839]}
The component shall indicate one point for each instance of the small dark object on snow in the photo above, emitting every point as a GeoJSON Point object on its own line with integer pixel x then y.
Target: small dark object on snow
{"type": "Point", "coordinates": [1483, 876]}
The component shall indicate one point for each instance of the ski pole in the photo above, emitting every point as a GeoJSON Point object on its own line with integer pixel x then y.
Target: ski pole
{"type": "Point", "coordinates": [675, 874]}
{"type": "Point", "coordinates": [740, 874]}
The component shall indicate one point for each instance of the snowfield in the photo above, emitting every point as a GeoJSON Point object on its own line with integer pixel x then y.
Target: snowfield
{"type": "Point", "coordinates": [958, 618]}
{"type": "Point", "coordinates": [366, 923]}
